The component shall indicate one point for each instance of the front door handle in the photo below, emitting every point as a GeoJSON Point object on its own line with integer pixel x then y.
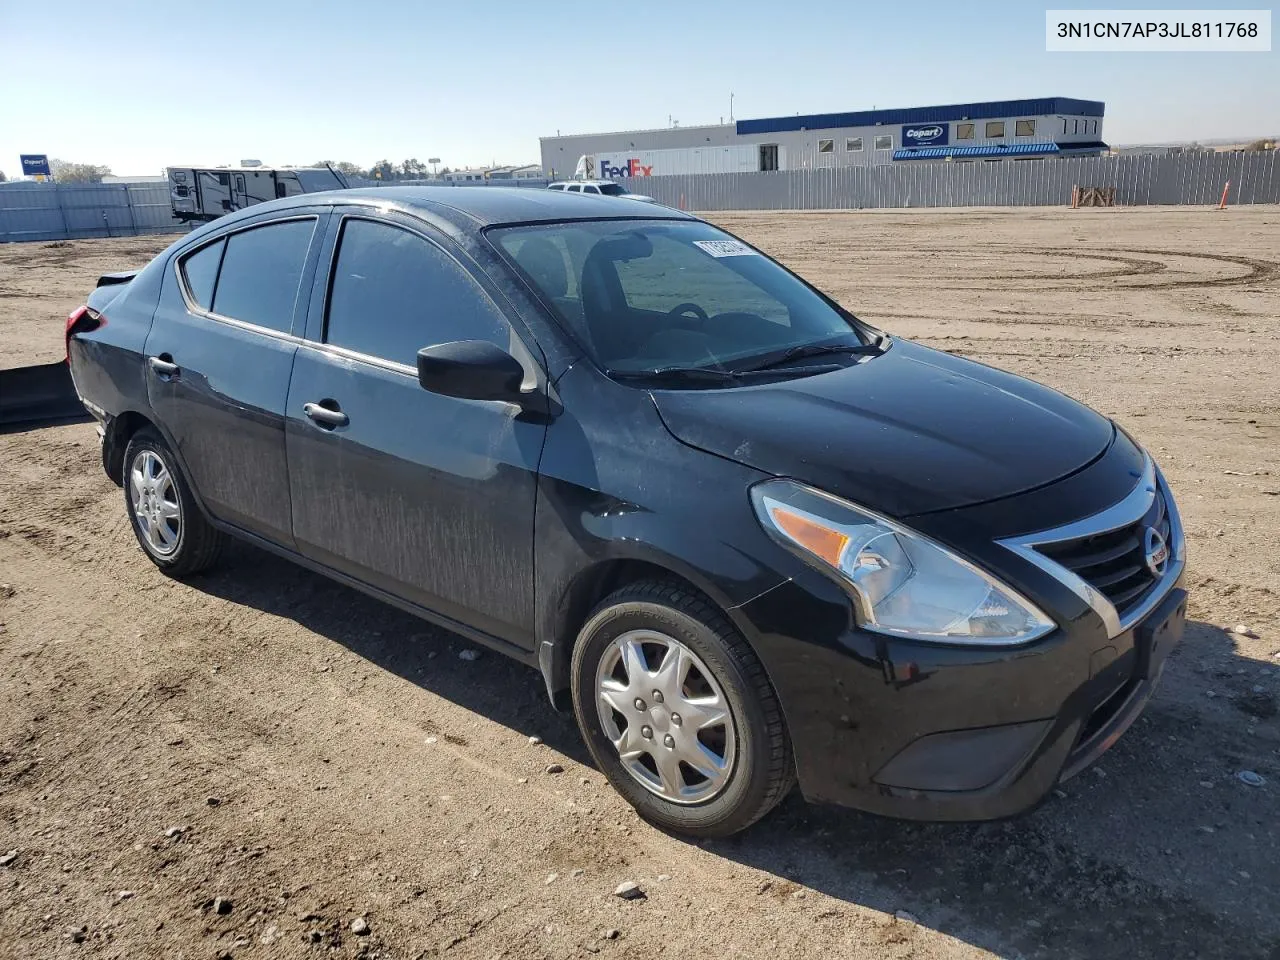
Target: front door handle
{"type": "Point", "coordinates": [324, 416]}
{"type": "Point", "coordinates": [166, 368]}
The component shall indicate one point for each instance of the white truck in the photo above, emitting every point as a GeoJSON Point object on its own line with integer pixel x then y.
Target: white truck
{"type": "Point", "coordinates": [206, 193]}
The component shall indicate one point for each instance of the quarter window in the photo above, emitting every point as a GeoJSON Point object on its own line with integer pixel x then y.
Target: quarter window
{"type": "Point", "coordinates": [200, 272]}
{"type": "Point", "coordinates": [393, 293]}
{"type": "Point", "coordinates": [964, 131]}
{"type": "Point", "coordinates": [884, 142]}
{"type": "Point", "coordinates": [853, 144]}
{"type": "Point", "coordinates": [260, 272]}
{"type": "Point", "coordinates": [1024, 128]}
{"type": "Point", "coordinates": [826, 146]}
{"type": "Point", "coordinates": [995, 129]}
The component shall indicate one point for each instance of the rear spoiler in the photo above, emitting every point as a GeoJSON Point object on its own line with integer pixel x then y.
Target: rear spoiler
{"type": "Point", "coordinates": [112, 279]}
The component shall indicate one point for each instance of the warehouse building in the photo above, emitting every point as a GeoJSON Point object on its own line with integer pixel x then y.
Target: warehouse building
{"type": "Point", "coordinates": [992, 131]}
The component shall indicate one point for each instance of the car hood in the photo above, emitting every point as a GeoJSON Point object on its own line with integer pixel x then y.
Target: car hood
{"type": "Point", "coordinates": [909, 431]}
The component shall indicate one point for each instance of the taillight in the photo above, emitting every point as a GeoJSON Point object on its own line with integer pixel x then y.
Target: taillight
{"type": "Point", "coordinates": [81, 320]}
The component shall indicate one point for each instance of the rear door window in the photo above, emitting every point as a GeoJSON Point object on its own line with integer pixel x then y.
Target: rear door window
{"type": "Point", "coordinates": [200, 273]}
{"type": "Point", "coordinates": [260, 272]}
{"type": "Point", "coordinates": [393, 292]}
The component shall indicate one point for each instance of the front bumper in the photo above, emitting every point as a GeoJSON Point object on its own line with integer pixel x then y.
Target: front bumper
{"type": "Point", "coordinates": [925, 732]}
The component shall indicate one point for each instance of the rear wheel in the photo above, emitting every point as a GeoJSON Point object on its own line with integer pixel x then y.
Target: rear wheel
{"type": "Point", "coordinates": [165, 518]}
{"type": "Point", "coordinates": [678, 713]}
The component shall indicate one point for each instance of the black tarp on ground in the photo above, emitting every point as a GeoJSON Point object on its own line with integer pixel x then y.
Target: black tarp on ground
{"type": "Point", "coordinates": [33, 395]}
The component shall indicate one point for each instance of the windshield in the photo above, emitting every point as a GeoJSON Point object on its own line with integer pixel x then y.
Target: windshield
{"type": "Point", "coordinates": [613, 189]}
{"type": "Point", "coordinates": [652, 296]}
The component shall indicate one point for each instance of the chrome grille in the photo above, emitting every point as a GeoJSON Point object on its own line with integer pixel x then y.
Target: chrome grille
{"type": "Point", "coordinates": [1113, 562]}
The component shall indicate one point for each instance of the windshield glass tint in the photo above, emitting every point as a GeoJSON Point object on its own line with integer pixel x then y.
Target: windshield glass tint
{"type": "Point", "coordinates": [613, 189]}
{"type": "Point", "coordinates": [650, 295]}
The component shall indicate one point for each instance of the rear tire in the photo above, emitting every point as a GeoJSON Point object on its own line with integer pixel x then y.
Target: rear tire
{"type": "Point", "coordinates": [169, 525]}
{"type": "Point", "coordinates": [700, 775]}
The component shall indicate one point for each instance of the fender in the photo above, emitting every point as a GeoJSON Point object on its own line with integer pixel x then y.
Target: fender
{"type": "Point", "coordinates": [584, 551]}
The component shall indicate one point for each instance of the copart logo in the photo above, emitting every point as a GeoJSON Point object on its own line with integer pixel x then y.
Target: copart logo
{"type": "Point", "coordinates": [922, 133]}
{"type": "Point", "coordinates": [631, 168]}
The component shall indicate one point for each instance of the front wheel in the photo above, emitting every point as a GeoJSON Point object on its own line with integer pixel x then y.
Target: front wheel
{"type": "Point", "coordinates": [678, 713]}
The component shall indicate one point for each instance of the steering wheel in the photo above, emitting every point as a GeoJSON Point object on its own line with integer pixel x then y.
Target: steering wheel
{"type": "Point", "coordinates": [682, 310]}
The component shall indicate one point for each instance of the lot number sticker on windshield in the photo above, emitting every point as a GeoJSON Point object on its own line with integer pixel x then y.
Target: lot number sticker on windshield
{"type": "Point", "coordinates": [725, 248]}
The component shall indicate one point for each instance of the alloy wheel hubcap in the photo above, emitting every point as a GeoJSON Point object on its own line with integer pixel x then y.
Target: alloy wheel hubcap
{"type": "Point", "coordinates": [667, 717]}
{"type": "Point", "coordinates": [155, 503]}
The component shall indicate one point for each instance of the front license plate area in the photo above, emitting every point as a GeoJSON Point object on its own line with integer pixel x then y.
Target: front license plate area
{"type": "Point", "coordinates": [1160, 633]}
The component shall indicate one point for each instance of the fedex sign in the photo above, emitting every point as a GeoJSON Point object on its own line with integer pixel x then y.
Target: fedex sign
{"type": "Point", "coordinates": [630, 168]}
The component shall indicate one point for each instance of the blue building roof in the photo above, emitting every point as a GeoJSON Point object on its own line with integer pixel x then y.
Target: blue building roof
{"type": "Point", "coordinates": [943, 114]}
{"type": "Point", "coordinates": [989, 150]}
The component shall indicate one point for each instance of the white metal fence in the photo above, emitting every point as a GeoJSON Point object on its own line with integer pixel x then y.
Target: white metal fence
{"type": "Point", "coordinates": [48, 211]}
{"type": "Point", "coordinates": [1180, 179]}
{"type": "Point", "coordinates": [44, 211]}
{"type": "Point", "coordinates": [35, 211]}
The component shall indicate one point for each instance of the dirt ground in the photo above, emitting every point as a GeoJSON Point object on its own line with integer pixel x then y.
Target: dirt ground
{"type": "Point", "coordinates": [264, 736]}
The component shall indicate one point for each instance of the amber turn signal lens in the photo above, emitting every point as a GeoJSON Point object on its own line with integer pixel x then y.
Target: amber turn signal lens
{"type": "Point", "coordinates": [813, 536]}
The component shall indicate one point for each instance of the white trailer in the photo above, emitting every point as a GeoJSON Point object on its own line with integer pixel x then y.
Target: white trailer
{"type": "Point", "coordinates": [206, 193]}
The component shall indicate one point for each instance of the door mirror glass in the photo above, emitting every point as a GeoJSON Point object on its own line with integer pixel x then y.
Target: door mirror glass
{"type": "Point", "coordinates": [471, 370]}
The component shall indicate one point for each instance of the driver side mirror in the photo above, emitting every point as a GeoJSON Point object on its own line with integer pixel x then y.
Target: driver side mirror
{"type": "Point", "coordinates": [471, 370]}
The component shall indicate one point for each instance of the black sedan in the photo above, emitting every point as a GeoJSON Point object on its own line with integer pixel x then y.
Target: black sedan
{"type": "Point", "coordinates": [746, 537]}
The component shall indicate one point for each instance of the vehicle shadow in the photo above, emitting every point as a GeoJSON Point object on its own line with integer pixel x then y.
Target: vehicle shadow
{"type": "Point", "coordinates": [1159, 851]}
{"type": "Point", "coordinates": [501, 689]}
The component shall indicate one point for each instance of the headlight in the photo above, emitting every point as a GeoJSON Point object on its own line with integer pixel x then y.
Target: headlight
{"type": "Point", "coordinates": [903, 583]}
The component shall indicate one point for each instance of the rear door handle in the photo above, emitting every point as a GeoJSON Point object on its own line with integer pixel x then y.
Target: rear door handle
{"type": "Point", "coordinates": [166, 368]}
{"type": "Point", "coordinates": [324, 416]}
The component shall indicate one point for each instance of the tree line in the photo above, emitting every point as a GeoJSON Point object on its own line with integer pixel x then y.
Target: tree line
{"type": "Point", "coordinates": [411, 169]}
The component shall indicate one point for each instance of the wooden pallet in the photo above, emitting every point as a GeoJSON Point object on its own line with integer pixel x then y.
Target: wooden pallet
{"type": "Point", "coordinates": [1093, 197]}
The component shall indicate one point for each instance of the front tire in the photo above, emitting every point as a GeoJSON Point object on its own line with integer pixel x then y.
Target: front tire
{"type": "Point", "coordinates": [677, 711]}
{"type": "Point", "coordinates": [168, 523]}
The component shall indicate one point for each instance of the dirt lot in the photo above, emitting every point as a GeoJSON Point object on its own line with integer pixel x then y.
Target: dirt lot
{"type": "Point", "coordinates": [264, 736]}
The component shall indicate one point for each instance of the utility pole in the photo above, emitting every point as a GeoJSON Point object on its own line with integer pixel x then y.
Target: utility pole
{"type": "Point", "coordinates": [731, 106]}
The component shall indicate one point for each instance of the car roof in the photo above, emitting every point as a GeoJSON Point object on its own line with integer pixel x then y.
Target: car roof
{"type": "Point", "coordinates": [472, 208]}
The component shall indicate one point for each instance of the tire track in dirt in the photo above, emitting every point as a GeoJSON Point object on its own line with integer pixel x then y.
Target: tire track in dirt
{"type": "Point", "coordinates": [1135, 264]}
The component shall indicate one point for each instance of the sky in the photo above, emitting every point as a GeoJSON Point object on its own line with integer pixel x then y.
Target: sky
{"type": "Point", "coordinates": [139, 87]}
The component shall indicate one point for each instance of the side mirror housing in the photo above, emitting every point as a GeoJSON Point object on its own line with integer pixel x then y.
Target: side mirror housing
{"type": "Point", "coordinates": [471, 370]}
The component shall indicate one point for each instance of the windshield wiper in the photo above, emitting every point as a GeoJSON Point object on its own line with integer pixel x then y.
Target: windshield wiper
{"type": "Point", "coordinates": [713, 374]}
{"type": "Point", "coordinates": [803, 350]}
{"type": "Point", "coordinates": [708, 374]}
